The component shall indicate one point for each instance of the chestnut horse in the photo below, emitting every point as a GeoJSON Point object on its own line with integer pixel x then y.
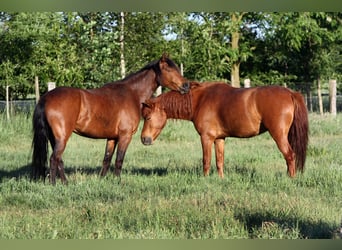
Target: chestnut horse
{"type": "Point", "coordinates": [110, 112]}
{"type": "Point", "coordinates": [218, 110]}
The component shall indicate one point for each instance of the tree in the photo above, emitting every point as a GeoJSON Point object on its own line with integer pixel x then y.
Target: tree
{"type": "Point", "coordinates": [214, 44]}
{"type": "Point", "coordinates": [85, 49]}
{"type": "Point", "coordinates": [296, 48]}
{"type": "Point", "coordinates": [34, 42]}
{"type": "Point", "coordinates": [144, 40]}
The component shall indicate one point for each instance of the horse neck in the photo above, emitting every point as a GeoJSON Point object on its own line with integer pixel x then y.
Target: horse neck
{"type": "Point", "coordinates": [176, 105]}
{"type": "Point", "coordinates": [142, 83]}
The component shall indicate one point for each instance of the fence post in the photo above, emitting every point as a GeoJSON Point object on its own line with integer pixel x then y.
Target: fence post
{"type": "Point", "coordinates": [7, 102]}
{"type": "Point", "coordinates": [247, 83]}
{"type": "Point", "coordinates": [51, 85]}
{"type": "Point", "coordinates": [158, 91]}
{"type": "Point", "coordinates": [332, 96]}
{"type": "Point", "coordinates": [309, 96]}
{"type": "Point", "coordinates": [36, 86]}
{"type": "Point", "coordinates": [319, 93]}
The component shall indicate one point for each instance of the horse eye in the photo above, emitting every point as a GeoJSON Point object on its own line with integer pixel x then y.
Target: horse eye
{"type": "Point", "coordinates": [147, 118]}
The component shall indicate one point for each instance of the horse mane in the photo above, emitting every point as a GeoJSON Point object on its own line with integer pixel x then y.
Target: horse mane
{"type": "Point", "coordinates": [154, 65]}
{"type": "Point", "coordinates": [177, 105]}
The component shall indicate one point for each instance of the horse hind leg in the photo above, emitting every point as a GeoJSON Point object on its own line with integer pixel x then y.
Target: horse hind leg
{"type": "Point", "coordinates": [110, 147]}
{"type": "Point", "coordinates": [287, 151]}
{"type": "Point", "coordinates": [56, 163]}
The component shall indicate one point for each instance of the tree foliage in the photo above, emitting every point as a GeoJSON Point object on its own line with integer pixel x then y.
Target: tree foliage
{"type": "Point", "coordinates": [83, 49]}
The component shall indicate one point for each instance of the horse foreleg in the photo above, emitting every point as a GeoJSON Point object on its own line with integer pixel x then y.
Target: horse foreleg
{"type": "Point", "coordinates": [206, 149]}
{"type": "Point", "coordinates": [219, 153]}
{"type": "Point", "coordinates": [121, 152]}
{"type": "Point", "coordinates": [110, 147]}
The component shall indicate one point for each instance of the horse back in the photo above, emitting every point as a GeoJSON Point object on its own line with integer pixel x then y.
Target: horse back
{"type": "Point", "coordinates": [223, 111]}
{"type": "Point", "coordinates": [238, 112]}
{"type": "Point", "coordinates": [108, 111]}
{"type": "Point", "coordinates": [96, 113]}
{"type": "Point", "coordinates": [274, 101]}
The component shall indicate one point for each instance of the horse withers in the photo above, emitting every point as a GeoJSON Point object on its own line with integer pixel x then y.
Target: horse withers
{"type": "Point", "coordinates": [110, 112]}
{"type": "Point", "coordinates": [219, 110]}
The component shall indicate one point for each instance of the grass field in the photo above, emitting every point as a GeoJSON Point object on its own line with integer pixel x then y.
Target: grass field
{"type": "Point", "coordinates": [162, 193]}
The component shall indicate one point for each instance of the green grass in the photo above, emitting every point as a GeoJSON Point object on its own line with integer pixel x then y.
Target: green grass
{"type": "Point", "coordinates": [162, 193]}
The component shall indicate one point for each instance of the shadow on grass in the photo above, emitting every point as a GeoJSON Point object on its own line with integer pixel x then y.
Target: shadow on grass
{"type": "Point", "coordinates": [307, 228]}
{"type": "Point", "coordinates": [23, 171]}
{"type": "Point", "coordinates": [148, 171]}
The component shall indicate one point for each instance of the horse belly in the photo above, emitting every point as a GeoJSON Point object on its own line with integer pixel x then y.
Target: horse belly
{"type": "Point", "coordinates": [243, 130]}
{"type": "Point", "coordinates": [103, 125]}
{"type": "Point", "coordinates": [241, 121]}
{"type": "Point", "coordinates": [96, 128]}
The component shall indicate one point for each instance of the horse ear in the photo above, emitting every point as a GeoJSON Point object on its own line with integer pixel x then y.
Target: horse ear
{"type": "Point", "coordinates": [147, 104]}
{"type": "Point", "coordinates": [194, 85]}
{"type": "Point", "coordinates": [164, 57]}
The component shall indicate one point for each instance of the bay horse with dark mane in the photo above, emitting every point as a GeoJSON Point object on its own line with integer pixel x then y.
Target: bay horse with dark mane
{"type": "Point", "coordinates": [219, 110]}
{"type": "Point", "coordinates": [110, 112]}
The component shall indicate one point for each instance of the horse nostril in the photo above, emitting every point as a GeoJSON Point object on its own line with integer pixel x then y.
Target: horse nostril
{"type": "Point", "coordinates": [146, 140]}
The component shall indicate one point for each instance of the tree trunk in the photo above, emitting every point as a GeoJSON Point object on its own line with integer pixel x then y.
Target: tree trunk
{"type": "Point", "coordinates": [122, 44]}
{"type": "Point", "coordinates": [235, 74]}
{"type": "Point", "coordinates": [332, 95]}
{"type": "Point", "coordinates": [319, 93]}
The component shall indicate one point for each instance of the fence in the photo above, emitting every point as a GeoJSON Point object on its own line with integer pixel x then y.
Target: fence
{"type": "Point", "coordinates": [326, 104]}
{"type": "Point", "coordinates": [27, 106]}
{"type": "Point", "coordinates": [18, 106]}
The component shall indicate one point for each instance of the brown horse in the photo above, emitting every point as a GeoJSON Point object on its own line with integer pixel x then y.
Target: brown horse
{"type": "Point", "coordinates": [111, 112]}
{"type": "Point", "coordinates": [219, 110]}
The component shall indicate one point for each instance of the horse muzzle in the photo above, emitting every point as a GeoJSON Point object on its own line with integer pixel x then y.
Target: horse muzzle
{"type": "Point", "coordinates": [185, 88]}
{"type": "Point", "coordinates": [146, 141]}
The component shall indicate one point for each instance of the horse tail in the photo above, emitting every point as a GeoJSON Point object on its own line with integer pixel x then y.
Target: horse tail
{"type": "Point", "coordinates": [41, 131]}
{"type": "Point", "coordinates": [298, 135]}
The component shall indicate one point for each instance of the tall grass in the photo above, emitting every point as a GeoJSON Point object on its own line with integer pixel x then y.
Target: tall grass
{"type": "Point", "coordinates": [162, 194]}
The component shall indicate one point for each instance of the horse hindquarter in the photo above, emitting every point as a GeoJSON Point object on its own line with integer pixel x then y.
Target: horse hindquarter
{"type": "Point", "coordinates": [277, 109]}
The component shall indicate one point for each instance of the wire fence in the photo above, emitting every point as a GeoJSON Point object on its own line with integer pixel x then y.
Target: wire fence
{"type": "Point", "coordinates": [27, 106]}
{"type": "Point", "coordinates": [314, 105]}
{"type": "Point", "coordinates": [18, 106]}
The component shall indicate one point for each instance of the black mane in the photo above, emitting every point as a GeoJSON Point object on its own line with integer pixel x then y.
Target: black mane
{"type": "Point", "coordinates": [153, 65]}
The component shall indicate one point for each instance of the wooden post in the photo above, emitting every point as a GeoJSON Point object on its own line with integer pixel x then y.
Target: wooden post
{"type": "Point", "coordinates": [51, 86]}
{"type": "Point", "coordinates": [247, 83]}
{"type": "Point", "coordinates": [319, 93]}
{"type": "Point", "coordinates": [122, 46]}
{"type": "Point", "coordinates": [158, 91]}
{"type": "Point", "coordinates": [36, 86]}
{"type": "Point", "coordinates": [7, 103]}
{"type": "Point", "coordinates": [308, 96]}
{"type": "Point", "coordinates": [332, 96]}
